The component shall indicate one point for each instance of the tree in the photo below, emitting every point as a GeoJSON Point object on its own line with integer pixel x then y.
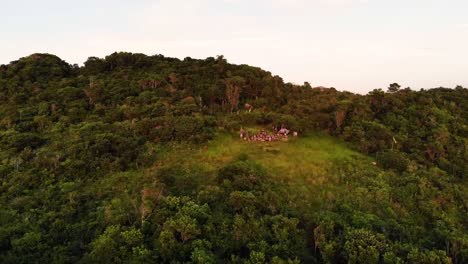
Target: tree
{"type": "Point", "coordinates": [362, 246]}
{"type": "Point", "coordinates": [233, 89]}
{"type": "Point", "coordinates": [393, 88]}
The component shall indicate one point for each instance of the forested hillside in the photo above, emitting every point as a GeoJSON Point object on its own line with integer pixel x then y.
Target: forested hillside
{"type": "Point", "coordinates": [137, 159]}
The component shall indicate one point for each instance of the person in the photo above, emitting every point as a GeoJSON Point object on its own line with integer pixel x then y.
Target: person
{"type": "Point", "coordinates": [241, 132]}
{"type": "Point", "coordinates": [283, 131]}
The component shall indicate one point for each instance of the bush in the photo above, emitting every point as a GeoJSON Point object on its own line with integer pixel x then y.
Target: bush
{"type": "Point", "coordinates": [183, 128]}
{"type": "Point", "coordinates": [242, 174]}
{"type": "Point", "coordinates": [392, 160]}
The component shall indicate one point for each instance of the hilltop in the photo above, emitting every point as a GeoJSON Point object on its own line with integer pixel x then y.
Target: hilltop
{"type": "Point", "coordinates": [137, 159]}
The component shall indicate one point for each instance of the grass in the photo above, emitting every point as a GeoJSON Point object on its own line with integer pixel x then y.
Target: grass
{"type": "Point", "coordinates": [296, 158]}
{"type": "Point", "coordinates": [306, 165]}
{"type": "Point", "coordinates": [307, 168]}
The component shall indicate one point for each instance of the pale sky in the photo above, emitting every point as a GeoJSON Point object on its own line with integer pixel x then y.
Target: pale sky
{"type": "Point", "coordinates": [354, 45]}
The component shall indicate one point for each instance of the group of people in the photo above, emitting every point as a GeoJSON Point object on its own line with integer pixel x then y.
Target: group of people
{"type": "Point", "coordinates": [264, 136]}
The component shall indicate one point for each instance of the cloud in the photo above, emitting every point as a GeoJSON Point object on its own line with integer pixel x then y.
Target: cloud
{"type": "Point", "coordinates": [289, 3]}
{"type": "Point", "coordinates": [195, 20]}
{"type": "Point", "coordinates": [300, 3]}
{"type": "Point", "coordinates": [310, 3]}
{"type": "Point", "coordinates": [341, 3]}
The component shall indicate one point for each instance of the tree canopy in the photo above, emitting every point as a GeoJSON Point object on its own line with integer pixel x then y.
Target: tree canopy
{"type": "Point", "coordinates": [84, 177]}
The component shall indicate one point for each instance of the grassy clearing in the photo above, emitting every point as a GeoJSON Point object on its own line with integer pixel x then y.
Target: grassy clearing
{"type": "Point", "coordinates": [302, 157]}
{"type": "Point", "coordinates": [306, 163]}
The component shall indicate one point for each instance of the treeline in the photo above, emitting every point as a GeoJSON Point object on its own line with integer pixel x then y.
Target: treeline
{"type": "Point", "coordinates": [69, 134]}
{"type": "Point", "coordinates": [427, 126]}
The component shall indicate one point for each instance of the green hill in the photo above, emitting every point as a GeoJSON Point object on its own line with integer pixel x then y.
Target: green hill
{"type": "Point", "coordinates": [137, 159]}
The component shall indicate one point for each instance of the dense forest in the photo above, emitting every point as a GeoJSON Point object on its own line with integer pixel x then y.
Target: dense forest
{"type": "Point", "coordinates": [123, 160]}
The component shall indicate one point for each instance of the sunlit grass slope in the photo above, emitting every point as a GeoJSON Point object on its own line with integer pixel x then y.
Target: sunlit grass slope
{"type": "Point", "coordinates": [307, 165]}
{"type": "Point", "coordinates": [304, 157]}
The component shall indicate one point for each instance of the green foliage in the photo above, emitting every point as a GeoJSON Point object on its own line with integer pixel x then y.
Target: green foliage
{"type": "Point", "coordinates": [363, 247]}
{"type": "Point", "coordinates": [132, 159]}
{"type": "Point", "coordinates": [242, 175]}
{"type": "Point", "coordinates": [392, 160]}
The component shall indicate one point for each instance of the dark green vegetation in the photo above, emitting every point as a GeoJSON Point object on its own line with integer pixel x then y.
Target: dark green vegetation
{"type": "Point", "coordinates": [134, 159]}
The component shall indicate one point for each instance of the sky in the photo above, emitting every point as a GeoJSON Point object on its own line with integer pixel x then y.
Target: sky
{"type": "Point", "coordinates": [353, 45]}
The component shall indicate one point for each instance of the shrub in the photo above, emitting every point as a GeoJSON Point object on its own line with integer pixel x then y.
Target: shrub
{"type": "Point", "coordinates": [392, 160]}
{"type": "Point", "coordinates": [242, 174]}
